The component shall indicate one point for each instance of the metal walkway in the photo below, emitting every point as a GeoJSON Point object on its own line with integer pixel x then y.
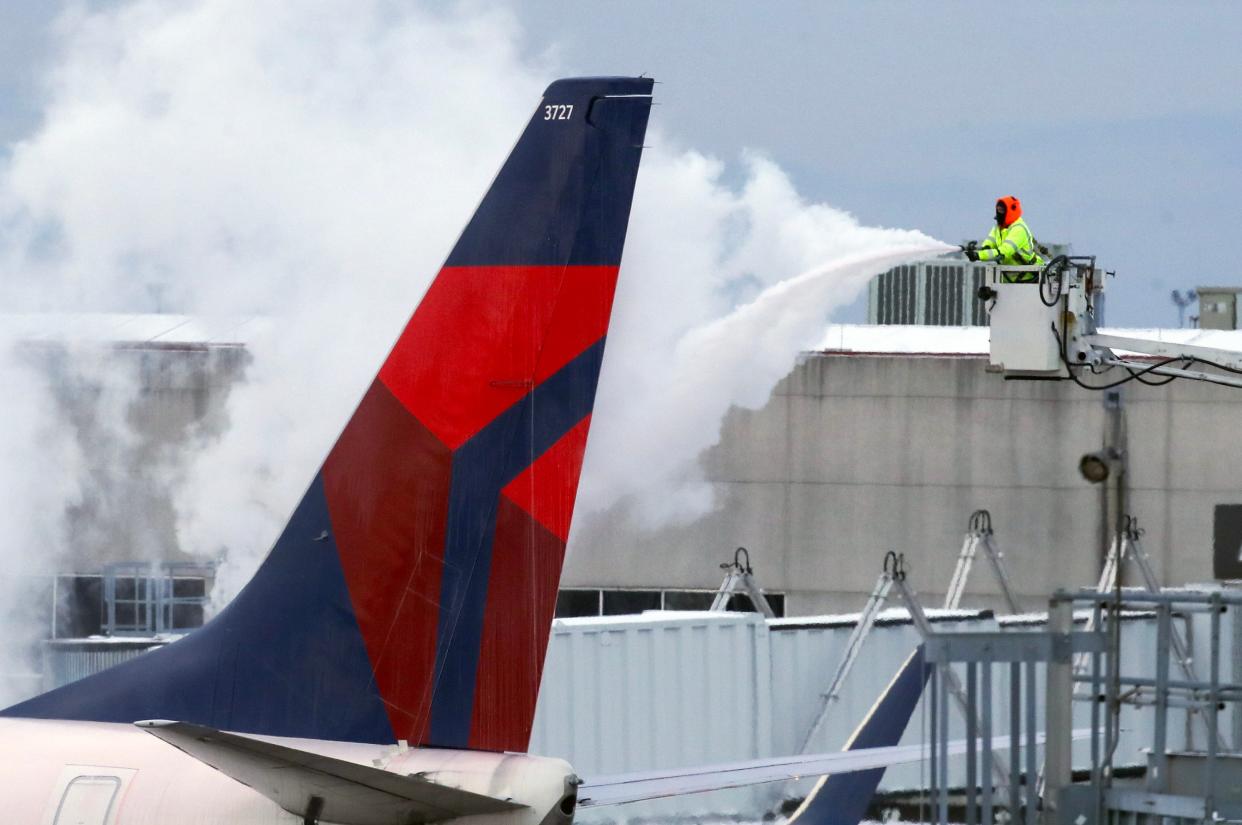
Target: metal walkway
{"type": "Point", "coordinates": [1177, 786]}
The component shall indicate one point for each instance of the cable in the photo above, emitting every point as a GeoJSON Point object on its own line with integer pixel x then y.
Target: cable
{"type": "Point", "coordinates": [1054, 269]}
{"type": "Point", "coordinates": [1133, 376]}
{"type": "Point", "coordinates": [1187, 360]}
{"type": "Point", "coordinates": [1196, 360]}
{"type": "Point", "coordinates": [1168, 379]}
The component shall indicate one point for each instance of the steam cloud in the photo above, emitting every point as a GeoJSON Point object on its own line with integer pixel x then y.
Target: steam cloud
{"type": "Point", "coordinates": [312, 164]}
{"type": "Point", "coordinates": [720, 291]}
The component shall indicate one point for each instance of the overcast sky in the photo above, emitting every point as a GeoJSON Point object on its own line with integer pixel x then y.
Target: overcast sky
{"type": "Point", "coordinates": [1116, 124]}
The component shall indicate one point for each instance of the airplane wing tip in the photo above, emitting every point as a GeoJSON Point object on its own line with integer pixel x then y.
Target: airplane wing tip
{"type": "Point", "coordinates": [147, 724]}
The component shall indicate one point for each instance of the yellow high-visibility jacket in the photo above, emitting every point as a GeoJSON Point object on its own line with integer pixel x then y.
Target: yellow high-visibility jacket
{"type": "Point", "coordinates": [1013, 246]}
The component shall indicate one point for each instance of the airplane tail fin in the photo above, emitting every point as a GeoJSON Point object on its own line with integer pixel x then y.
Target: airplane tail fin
{"type": "Point", "coordinates": [842, 799]}
{"type": "Point", "coordinates": [410, 595]}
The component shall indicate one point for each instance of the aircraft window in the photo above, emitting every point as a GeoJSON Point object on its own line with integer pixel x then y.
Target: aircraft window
{"type": "Point", "coordinates": [87, 801]}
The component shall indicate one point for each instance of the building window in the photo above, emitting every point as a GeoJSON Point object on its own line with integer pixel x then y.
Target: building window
{"type": "Point", "coordinates": [596, 601]}
{"type": "Point", "coordinates": [578, 603]}
{"type": "Point", "coordinates": [688, 599]}
{"type": "Point", "coordinates": [1227, 542]}
{"type": "Point", "coordinates": [132, 599]}
{"type": "Point", "coordinates": [627, 602]}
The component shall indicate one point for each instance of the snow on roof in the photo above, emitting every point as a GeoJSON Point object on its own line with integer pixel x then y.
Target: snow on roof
{"type": "Point", "coordinates": [172, 330]}
{"type": "Point", "coordinates": [119, 328]}
{"type": "Point", "coordinates": [896, 338]}
{"type": "Point", "coordinates": [116, 641]}
{"type": "Point", "coordinates": [887, 616]}
{"type": "Point", "coordinates": [1226, 339]}
{"type": "Point", "coordinates": [973, 341]}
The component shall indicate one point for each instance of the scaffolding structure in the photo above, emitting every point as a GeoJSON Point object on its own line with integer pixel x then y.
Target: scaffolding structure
{"type": "Point", "coordinates": [740, 580]}
{"type": "Point", "coordinates": [1176, 786]}
{"type": "Point", "coordinates": [995, 678]}
{"type": "Point", "coordinates": [979, 539]}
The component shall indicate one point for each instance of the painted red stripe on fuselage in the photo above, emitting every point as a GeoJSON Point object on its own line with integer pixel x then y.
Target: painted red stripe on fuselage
{"type": "Point", "coordinates": [483, 335]}
{"type": "Point", "coordinates": [387, 487]}
{"type": "Point", "coordinates": [521, 599]}
{"type": "Point", "coordinates": [548, 487]}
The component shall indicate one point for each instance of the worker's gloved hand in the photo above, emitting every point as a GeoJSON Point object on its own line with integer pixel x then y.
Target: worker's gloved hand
{"type": "Point", "coordinates": [972, 251]}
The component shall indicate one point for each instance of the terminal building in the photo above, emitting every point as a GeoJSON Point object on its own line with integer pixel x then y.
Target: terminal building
{"type": "Point", "coordinates": [891, 434]}
{"type": "Point", "coordinates": [123, 399]}
{"type": "Point", "coordinates": [886, 438]}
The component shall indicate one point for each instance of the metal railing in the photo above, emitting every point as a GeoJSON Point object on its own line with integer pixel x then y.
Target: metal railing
{"type": "Point", "coordinates": [1191, 786]}
{"type": "Point", "coordinates": [1188, 785]}
{"type": "Point", "coordinates": [1010, 660]}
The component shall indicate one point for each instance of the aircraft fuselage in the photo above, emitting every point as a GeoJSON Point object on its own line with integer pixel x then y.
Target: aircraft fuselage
{"type": "Point", "coordinates": [58, 772]}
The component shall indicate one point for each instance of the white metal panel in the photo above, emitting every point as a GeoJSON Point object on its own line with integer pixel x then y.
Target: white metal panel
{"type": "Point", "coordinates": [1021, 330]}
{"type": "Point", "coordinates": [69, 661]}
{"type": "Point", "coordinates": [664, 690]}
{"type": "Point", "coordinates": [658, 690]}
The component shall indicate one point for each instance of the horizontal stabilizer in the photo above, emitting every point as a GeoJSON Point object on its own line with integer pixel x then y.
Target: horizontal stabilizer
{"type": "Point", "coordinates": [348, 793]}
{"type": "Point", "coordinates": [636, 787]}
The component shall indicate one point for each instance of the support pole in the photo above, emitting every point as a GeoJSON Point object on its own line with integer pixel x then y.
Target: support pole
{"type": "Point", "coordinates": [1157, 766]}
{"type": "Point", "coordinates": [934, 705]}
{"type": "Point", "coordinates": [951, 684]}
{"type": "Point", "coordinates": [972, 743]}
{"type": "Point", "coordinates": [866, 620]}
{"type": "Point", "coordinates": [1015, 738]}
{"type": "Point", "coordinates": [985, 732]}
{"type": "Point", "coordinates": [1032, 781]}
{"type": "Point", "coordinates": [1209, 802]}
{"type": "Point", "coordinates": [942, 742]}
{"type": "Point", "coordinates": [1058, 710]}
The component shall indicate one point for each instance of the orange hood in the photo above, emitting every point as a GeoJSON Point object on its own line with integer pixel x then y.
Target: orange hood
{"type": "Point", "coordinates": [1013, 209]}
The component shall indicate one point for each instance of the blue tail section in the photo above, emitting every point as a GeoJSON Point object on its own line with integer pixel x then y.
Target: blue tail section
{"type": "Point", "coordinates": [843, 799]}
{"type": "Point", "coordinates": [411, 593]}
{"type": "Point", "coordinates": [285, 657]}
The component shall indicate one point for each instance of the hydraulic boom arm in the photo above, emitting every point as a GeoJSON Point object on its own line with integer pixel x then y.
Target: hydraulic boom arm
{"type": "Point", "coordinates": [1045, 327]}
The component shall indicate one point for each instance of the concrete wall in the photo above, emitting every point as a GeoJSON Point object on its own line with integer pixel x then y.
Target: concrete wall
{"type": "Point", "coordinates": [855, 455]}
